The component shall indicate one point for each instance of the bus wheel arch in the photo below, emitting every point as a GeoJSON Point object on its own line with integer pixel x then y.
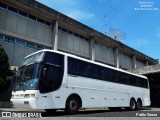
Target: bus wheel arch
{"type": "Point", "coordinates": [73, 104]}
{"type": "Point", "coordinates": [139, 104]}
{"type": "Point", "coordinates": [133, 104]}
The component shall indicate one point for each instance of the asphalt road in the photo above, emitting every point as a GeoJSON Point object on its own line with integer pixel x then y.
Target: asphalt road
{"type": "Point", "coordinates": [148, 113]}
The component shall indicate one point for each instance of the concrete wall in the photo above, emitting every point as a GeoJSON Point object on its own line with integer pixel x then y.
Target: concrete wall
{"type": "Point", "coordinates": [139, 64]}
{"type": "Point", "coordinates": [125, 61]}
{"type": "Point", "coordinates": [34, 31]}
{"type": "Point", "coordinates": [18, 24]}
{"type": "Point", "coordinates": [104, 54]}
{"type": "Point", "coordinates": [16, 53]}
{"type": "Point", "coordinates": [73, 44]}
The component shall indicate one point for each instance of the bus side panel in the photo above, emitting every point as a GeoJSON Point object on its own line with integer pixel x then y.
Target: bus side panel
{"type": "Point", "coordinates": [90, 90]}
{"type": "Point", "coordinates": [117, 95]}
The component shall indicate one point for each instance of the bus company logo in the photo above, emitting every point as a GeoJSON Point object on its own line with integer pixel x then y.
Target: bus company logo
{"type": "Point", "coordinates": [6, 114]}
{"type": "Point", "coordinates": [23, 114]}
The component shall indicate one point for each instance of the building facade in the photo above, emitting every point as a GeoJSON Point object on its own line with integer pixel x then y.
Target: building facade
{"type": "Point", "coordinates": [27, 26]}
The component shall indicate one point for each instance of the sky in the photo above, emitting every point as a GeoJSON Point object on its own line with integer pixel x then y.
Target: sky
{"type": "Point", "coordinates": [138, 21]}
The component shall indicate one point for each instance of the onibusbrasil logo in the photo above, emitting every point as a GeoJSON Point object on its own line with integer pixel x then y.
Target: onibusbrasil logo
{"type": "Point", "coordinates": [21, 114]}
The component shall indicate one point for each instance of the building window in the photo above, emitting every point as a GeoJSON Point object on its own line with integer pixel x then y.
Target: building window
{"type": "Point", "coordinates": [23, 13]}
{"type": "Point", "coordinates": [47, 23]}
{"type": "Point", "coordinates": [32, 17]}
{"type": "Point", "coordinates": [82, 37]}
{"type": "Point", "coordinates": [59, 28]}
{"type": "Point", "coordinates": [9, 39]}
{"type": "Point", "coordinates": [70, 32]}
{"type": "Point", "coordinates": [31, 45]}
{"type": "Point", "coordinates": [64, 30]}
{"type": "Point", "coordinates": [40, 20]}
{"type": "Point", "coordinates": [75, 34]}
{"type": "Point", "coordinates": [12, 9]}
{"type": "Point", "coordinates": [39, 47]}
{"type": "Point", "coordinates": [20, 42]}
{"type": "Point", "coordinates": [3, 6]}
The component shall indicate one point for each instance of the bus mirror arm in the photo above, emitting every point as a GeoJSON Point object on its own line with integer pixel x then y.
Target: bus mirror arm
{"type": "Point", "coordinates": [44, 71]}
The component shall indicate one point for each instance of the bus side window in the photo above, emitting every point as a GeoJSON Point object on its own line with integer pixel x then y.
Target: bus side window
{"type": "Point", "coordinates": [83, 68]}
{"type": "Point", "coordinates": [115, 76]}
{"type": "Point", "coordinates": [132, 81]}
{"type": "Point", "coordinates": [72, 66]}
{"type": "Point", "coordinates": [143, 83]}
{"type": "Point", "coordinates": [92, 71]}
{"type": "Point", "coordinates": [100, 72]}
{"type": "Point", "coordinates": [55, 59]}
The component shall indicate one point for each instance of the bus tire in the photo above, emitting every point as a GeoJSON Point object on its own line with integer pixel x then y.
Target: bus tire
{"type": "Point", "coordinates": [50, 111]}
{"type": "Point", "coordinates": [72, 105]}
{"type": "Point", "coordinates": [139, 104]}
{"type": "Point", "coordinates": [132, 105]}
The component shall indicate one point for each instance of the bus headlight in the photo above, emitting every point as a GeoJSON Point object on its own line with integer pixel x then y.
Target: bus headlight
{"type": "Point", "coordinates": [29, 95]}
{"type": "Point", "coordinates": [26, 95]}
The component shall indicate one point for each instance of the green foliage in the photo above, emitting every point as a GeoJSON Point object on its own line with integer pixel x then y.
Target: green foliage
{"type": "Point", "coordinates": [4, 68]}
{"type": "Point", "coordinates": [4, 64]}
{"type": "Point", "coordinates": [2, 83]}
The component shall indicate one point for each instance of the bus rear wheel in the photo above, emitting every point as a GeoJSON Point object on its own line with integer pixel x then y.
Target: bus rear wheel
{"type": "Point", "coordinates": [139, 104]}
{"type": "Point", "coordinates": [132, 105]}
{"type": "Point", "coordinates": [72, 105]}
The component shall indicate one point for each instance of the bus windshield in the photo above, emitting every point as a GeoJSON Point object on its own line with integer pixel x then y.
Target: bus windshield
{"type": "Point", "coordinates": [34, 58]}
{"type": "Point", "coordinates": [28, 78]}
{"type": "Point", "coordinates": [42, 71]}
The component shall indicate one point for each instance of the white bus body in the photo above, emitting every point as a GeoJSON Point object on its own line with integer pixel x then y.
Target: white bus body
{"type": "Point", "coordinates": [89, 91]}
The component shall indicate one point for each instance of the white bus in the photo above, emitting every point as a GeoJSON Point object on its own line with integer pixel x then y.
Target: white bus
{"type": "Point", "coordinates": [53, 80]}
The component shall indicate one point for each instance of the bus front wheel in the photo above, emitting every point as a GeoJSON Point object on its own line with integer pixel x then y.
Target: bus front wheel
{"type": "Point", "coordinates": [72, 105]}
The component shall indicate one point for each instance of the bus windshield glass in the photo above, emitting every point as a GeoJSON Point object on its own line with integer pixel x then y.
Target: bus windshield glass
{"type": "Point", "coordinates": [28, 77]}
{"type": "Point", "coordinates": [34, 58]}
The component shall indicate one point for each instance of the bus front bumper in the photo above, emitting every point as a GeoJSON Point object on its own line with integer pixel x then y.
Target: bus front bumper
{"type": "Point", "coordinates": [28, 103]}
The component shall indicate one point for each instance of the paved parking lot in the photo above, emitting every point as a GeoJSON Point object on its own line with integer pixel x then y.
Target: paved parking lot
{"type": "Point", "coordinates": [145, 112]}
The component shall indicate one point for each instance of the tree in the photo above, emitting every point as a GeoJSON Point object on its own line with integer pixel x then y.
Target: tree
{"type": "Point", "coordinates": [4, 68]}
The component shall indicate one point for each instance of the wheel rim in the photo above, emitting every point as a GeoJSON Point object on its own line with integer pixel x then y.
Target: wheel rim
{"type": "Point", "coordinates": [139, 105]}
{"type": "Point", "coordinates": [73, 105]}
{"type": "Point", "coordinates": [133, 105]}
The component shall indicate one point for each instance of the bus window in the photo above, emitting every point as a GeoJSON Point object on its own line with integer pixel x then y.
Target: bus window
{"type": "Point", "coordinates": [52, 72]}
{"type": "Point", "coordinates": [123, 78]}
{"type": "Point", "coordinates": [132, 80]}
{"type": "Point", "coordinates": [143, 83]}
{"type": "Point", "coordinates": [72, 66]}
{"type": "Point", "coordinates": [100, 72]}
{"type": "Point", "coordinates": [83, 68]}
{"type": "Point", "coordinates": [54, 58]}
{"type": "Point", "coordinates": [92, 70]}
{"type": "Point", "coordinates": [114, 76]}
{"type": "Point", "coordinates": [107, 74]}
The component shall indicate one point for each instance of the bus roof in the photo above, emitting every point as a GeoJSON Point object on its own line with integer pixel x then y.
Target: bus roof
{"type": "Point", "coordinates": [87, 60]}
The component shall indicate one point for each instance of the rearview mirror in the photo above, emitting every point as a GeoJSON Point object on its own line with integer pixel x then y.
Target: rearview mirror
{"type": "Point", "coordinates": [44, 71]}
